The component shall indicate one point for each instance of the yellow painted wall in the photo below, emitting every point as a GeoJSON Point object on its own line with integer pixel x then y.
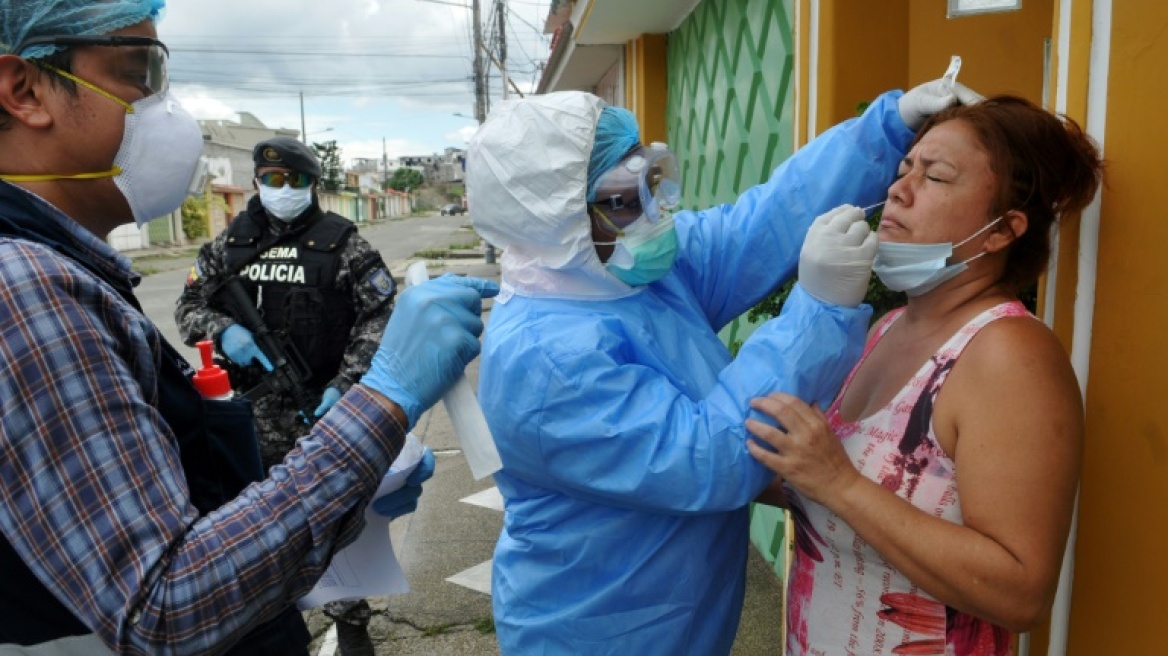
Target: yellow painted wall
{"type": "Point", "coordinates": [869, 47]}
{"type": "Point", "coordinates": [1001, 53]}
{"type": "Point", "coordinates": [863, 52]}
{"type": "Point", "coordinates": [647, 85]}
{"type": "Point", "coordinates": [1119, 604]}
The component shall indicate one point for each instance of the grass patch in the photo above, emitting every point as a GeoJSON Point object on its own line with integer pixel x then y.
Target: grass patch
{"type": "Point", "coordinates": [485, 626]}
{"type": "Point", "coordinates": [466, 246]}
{"type": "Point", "coordinates": [145, 270]}
{"type": "Point", "coordinates": [431, 631]}
{"type": "Point", "coordinates": [432, 254]}
{"type": "Point", "coordinates": [187, 254]}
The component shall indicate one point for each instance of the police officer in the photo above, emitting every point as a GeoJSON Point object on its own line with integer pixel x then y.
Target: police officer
{"type": "Point", "coordinates": [310, 275]}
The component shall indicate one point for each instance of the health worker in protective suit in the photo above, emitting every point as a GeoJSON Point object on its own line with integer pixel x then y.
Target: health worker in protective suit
{"type": "Point", "coordinates": [618, 413]}
{"type": "Point", "coordinates": [313, 277]}
{"type": "Point", "coordinates": [134, 514]}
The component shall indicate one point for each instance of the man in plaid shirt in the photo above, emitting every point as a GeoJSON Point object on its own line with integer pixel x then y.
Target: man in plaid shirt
{"type": "Point", "coordinates": [134, 516]}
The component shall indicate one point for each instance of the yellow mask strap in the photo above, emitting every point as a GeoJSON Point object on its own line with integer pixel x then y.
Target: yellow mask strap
{"type": "Point", "coordinates": [42, 177]}
{"type": "Point", "coordinates": [608, 224]}
{"type": "Point", "coordinates": [92, 87]}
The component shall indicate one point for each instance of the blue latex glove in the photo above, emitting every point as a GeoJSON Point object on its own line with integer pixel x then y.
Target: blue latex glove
{"type": "Point", "coordinates": [430, 338]}
{"type": "Point", "coordinates": [404, 501]}
{"type": "Point", "coordinates": [327, 400]}
{"type": "Point", "coordinates": [239, 345]}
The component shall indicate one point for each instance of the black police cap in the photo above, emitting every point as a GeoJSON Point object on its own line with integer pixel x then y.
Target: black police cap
{"type": "Point", "coordinates": [288, 153]}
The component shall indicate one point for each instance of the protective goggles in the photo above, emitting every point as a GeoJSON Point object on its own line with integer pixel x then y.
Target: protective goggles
{"type": "Point", "coordinates": [645, 182]}
{"type": "Point", "coordinates": [277, 179]}
{"type": "Point", "coordinates": [140, 60]}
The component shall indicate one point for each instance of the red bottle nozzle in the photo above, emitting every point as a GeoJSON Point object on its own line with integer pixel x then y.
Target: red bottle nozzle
{"type": "Point", "coordinates": [211, 380]}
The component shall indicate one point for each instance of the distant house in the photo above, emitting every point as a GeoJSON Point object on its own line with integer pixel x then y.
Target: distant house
{"type": "Point", "coordinates": [445, 168]}
{"type": "Point", "coordinates": [228, 145]}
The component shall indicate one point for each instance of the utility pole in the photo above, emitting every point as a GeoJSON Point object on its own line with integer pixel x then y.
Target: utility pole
{"type": "Point", "coordinates": [384, 181]}
{"type": "Point", "coordinates": [502, 19]}
{"type": "Point", "coordinates": [480, 88]}
{"type": "Point", "coordinates": [384, 166]}
{"type": "Point", "coordinates": [303, 132]}
{"type": "Point", "coordinates": [479, 82]}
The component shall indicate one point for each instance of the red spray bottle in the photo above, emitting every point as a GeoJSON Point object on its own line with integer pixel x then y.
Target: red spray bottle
{"type": "Point", "coordinates": [211, 380]}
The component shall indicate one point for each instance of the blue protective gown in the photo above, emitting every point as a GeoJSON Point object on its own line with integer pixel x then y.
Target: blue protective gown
{"type": "Point", "coordinates": [621, 423]}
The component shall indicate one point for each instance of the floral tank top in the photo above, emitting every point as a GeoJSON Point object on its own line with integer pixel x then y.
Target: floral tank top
{"type": "Point", "coordinates": [843, 598]}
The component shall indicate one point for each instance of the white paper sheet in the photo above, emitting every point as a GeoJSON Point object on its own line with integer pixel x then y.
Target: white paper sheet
{"type": "Point", "coordinates": [462, 406]}
{"type": "Point", "coordinates": [368, 567]}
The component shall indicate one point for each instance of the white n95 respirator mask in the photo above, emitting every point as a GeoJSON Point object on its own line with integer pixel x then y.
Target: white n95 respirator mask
{"type": "Point", "coordinates": [159, 157]}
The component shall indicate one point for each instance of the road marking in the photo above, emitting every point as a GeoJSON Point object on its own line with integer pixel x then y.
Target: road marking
{"type": "Point", "coordinates": [488, 498]}
{"type": "Point", "coordinates": [477, 578]}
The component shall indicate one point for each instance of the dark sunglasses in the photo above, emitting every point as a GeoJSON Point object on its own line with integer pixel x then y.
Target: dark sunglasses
{"type": "Point", "coordinates": [278, 179]}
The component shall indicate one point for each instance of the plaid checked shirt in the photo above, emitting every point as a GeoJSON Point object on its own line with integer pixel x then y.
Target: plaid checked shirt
{"type": "Point", "coordinates": [92, 494]}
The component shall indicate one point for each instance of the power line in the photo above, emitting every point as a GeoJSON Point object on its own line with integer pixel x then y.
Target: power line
{"type": "Point", "coordinates": [321, 53]}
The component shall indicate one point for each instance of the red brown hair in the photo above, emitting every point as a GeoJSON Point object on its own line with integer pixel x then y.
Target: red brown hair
{"type": "Point", "coordinates": [1046, 167]}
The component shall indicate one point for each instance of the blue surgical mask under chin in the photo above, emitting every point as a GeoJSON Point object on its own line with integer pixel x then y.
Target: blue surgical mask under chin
{"type": "Point", "coordinates": [917, 269]}
{"type": "Point", "coordinates": [644, 252]}
{"type": "Point", "coordinates": [285, 203]}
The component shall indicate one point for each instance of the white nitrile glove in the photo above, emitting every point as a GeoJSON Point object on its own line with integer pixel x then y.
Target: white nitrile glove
{"type": "Point", "coordinates": [924, 100]}
{"type": "Point", "coordinates": [836, 261]}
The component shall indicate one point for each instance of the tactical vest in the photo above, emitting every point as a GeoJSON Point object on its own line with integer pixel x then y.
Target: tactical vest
{"type": "Point", "coordinates": [219, 455]}
{"type": "Point", "coordinates": [292, 280]}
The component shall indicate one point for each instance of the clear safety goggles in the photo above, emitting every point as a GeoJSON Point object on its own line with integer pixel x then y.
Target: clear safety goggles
{"type": "Point", "coordinates": [140, 60]}
{"type": "Point", "coordinates": [645, 182]}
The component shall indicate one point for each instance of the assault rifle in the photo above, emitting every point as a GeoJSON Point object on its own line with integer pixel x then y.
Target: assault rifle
{"type": "Point", "coordinates": [290, 372]}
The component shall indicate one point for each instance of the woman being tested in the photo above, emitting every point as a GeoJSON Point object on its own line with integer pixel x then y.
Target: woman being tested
{"type": "Point", "coordinates": [932, 501]}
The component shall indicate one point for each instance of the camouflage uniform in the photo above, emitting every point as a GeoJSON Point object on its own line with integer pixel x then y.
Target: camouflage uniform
{"type": "Point", "coordinates": [362, 278]}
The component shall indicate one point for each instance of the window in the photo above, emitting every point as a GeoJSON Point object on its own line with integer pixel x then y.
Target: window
{"type": "Point", "coordinates": [958, 8]}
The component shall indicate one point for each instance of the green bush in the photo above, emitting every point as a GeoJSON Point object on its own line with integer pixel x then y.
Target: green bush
{"type": "Point", "coordinates": [195, 217]}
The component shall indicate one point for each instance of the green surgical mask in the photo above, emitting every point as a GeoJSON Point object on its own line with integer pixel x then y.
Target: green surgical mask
{"type": "Point", "coordinates": [644, 251]}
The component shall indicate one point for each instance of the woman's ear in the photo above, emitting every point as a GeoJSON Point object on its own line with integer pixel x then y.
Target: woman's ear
{"type": "Point", "coordinates": [1012, 226]}
{"type": "Point", "coordinates": [22, 92]}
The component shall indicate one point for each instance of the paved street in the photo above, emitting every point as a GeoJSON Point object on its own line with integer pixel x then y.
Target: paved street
{"type": "Point", "coordinates": [446, 545]}
{"type": "Point", "coordinates": [396, 240]}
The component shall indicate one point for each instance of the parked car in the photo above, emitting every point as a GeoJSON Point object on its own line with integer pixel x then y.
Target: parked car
{"type": "Point", "coordinates": [452, 209]}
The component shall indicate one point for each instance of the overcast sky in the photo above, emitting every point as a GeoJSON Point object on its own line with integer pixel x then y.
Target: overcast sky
{"type": "Point", "coordinates": [397, 70]}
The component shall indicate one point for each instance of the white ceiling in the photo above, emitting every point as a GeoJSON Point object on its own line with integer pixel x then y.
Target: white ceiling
{"type": "Point", "coordinates": [600, 22]}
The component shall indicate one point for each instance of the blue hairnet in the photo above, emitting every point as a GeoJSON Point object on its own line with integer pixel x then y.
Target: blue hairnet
{"type": "Point", "coordinates": [23, 19]}
{"type": "Point", "coordinates": [616, 134]}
